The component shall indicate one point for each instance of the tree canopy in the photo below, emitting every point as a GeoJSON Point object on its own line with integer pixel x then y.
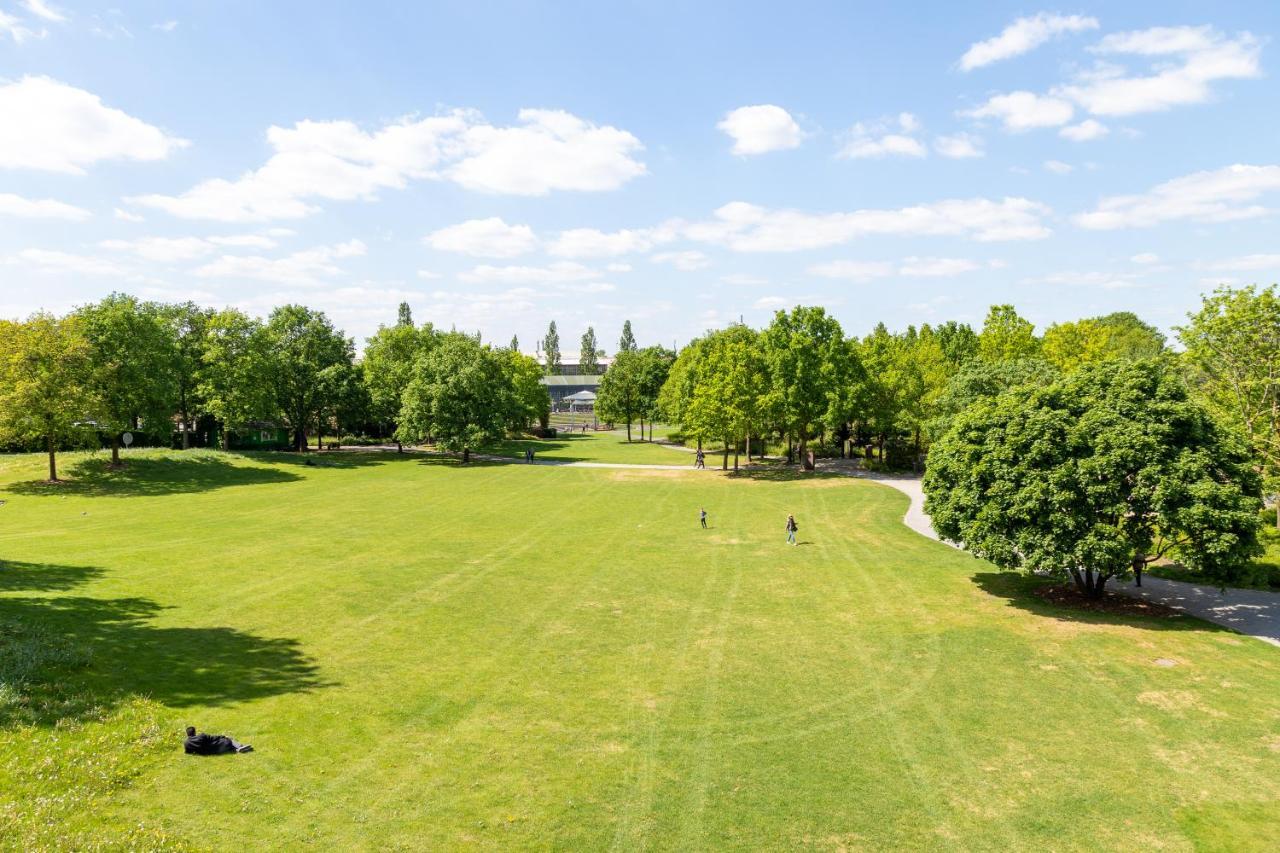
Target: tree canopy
{"type": "Point", "coordinates": [459, 395]}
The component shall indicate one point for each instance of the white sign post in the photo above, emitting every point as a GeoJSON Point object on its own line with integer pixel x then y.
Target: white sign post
{"type": "Point", "coordinates": [127, 439]}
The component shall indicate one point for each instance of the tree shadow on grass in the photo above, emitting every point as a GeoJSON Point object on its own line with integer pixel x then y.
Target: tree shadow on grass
{"type": "Point", "coordinates": [43, 577]}
{"type": "Point", "coordinates": [149, 477]}
{"type": "Point", "coordinates": [333, 458]}
{"type": "Point", "coordinates": [1020, 590]}
{"type": "Point", "coordinates": [73, 658]}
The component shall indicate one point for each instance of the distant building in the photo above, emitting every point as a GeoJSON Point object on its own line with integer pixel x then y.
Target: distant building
{"type": "Point", "coordinates": [569, 379]}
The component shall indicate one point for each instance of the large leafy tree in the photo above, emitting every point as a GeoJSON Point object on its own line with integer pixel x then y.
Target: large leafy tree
{"type": "Point", "coordinates": [1233, 349]}
{"type": "Point", "coordinates": [188, 325]}
{"type": "Point", "coordinates": [46, 366]}
{"type": "Point", "coordinates": [1006, 336]}
{"type": "Point", "coordinates": [959, 342]}
{"type": "Point", "coordinates": [530, 402]}
{"type": "Point", "coordinates": [302, 345]}
{"type": "Point", "coordinates": [551, 349]}
{"type": "Point", "coordinates": [982, 380]}
{"type": "Point", "coordinates": [808, 362]}
{"type": "Point", "coordinates": [134, 356]}
{"type": "Point", "coordinates": [1095, 476]}
{"type": "Point", "coordinates": [589, 356]}
{"type": "Point", "coordinates": [236, 375]}
{"type": "Point", "coordinates": [460, 395]}
{"type": "Point", "coordinates": [1121, 335]}
{"type": "Point", "coordinates": [654, 367]}
{"type": "Point", "coordinates": [732, 390]}
{"type": "Point", "coordinates": [627, 341]}
{"type": "Point", "coordinates": [619, 395]}
{"type": "Point", "coordinates": [682, 378]}
{"type": "Point", "coordinates": [389, 357]}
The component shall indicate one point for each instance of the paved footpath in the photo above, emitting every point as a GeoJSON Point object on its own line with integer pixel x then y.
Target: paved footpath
{"type": "Point", "coordinates": [1249, 611]}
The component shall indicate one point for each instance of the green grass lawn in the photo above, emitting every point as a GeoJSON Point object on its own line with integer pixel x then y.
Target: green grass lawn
{"type": "Point", "coordinates": [504, 656]}
{"type": "Point", "coordinates": [596, 447]}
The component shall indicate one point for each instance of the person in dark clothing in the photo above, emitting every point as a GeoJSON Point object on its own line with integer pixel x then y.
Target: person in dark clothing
{"type": "Point", "coordinates": [703, 516]}
{"type": "Point", "coordinates": [207, 744]}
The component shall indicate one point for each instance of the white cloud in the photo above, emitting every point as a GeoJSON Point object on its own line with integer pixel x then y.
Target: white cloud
{"type": "Point", "coordinates": [770, 303]}
{"type": "Point", "coordinates": [484, 238]}
{"type": "Point", "coordinates": [1085, 131]}
{"type": "Point", "coordinates": [761, 128]}
{"type": "Point", "coordinates": [1058, 167]}
{"type": "Point", "coordinates": [550, 150]}
{"type": "Point", "coordinates": [560, 271]}
{"type": "Point", "coordinates": [1222, 195]}
{"type": "Point", "coordinates": [128, 216]}
{"type": "Point", "coordinates": [51, 262]}
{"type": "Point", "coordinates": [936, 267]}
{"type": "Point", "coordinates": [428, 275]}
{"type": "Point", "coordinates": [1145, 258]}
{"type": "Point", "coordinates": [299, 268]}
{"type": "Point", "coordinates": [1248, 263]}
{"type": "Point", "coordinates": [1021, 111]}
{"type": "Point", "coordinates": [852, 270]}
{"type": "Point", "coordinates": [337, 161]}
{"type": "Point", "coordinates": [593, 243]}
{"type": "Point", "coordinates": [743, 280]}
{"type": "Point", "coordinates": [615, 267]}
{"type": "Point", "coordinates": [1188, 60]}
{"type": "Point", "coordinates": [43, 208]}
{"type": "Point", "coordinates": [165, 26]}
{"type": "Point", "coordinates": [1104, 280]}
{"type": "Point", "coordinates": [16, 30]}
{"type": "Point", "coordinates": [41, 9]}
{"type": "Point", "coordinates": [167, 250]}
{"type": "Point", "coordinates": [958, 146]}
{"type": "Point", "coordinates": [884, 137]}
{"type": "Point", "coordinates": [687, 261]}
{"type": "Point", "coordinates": [1023, 36]}
{"type": "Point", "coordinates": [58, 128]}
{"type": "Point", "coordinates": [747, 227]}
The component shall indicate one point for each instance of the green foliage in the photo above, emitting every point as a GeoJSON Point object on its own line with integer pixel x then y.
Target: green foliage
{"type": "Point", "coordinates": [808, 365]}
{"type": "Point", "coordinates": [188, 325]}
{"type": "Point", "coordinates": [982, 380]}
{"type": "Point", "coordinates": [551, 349]}
{"type": "Point", "coordinates": [1095, 475]}
{"type": "Point", "coordinates": [404, 315]}
{"type": "Point", "coordinates": [959, 342]}
{"type": "Point", "coordinates": [388, 362]}
{"type": "Point", "coordinates": [627, 342]}
{"type": "Point", "coordinates": [588, 358]}
{"type": "Point", "coordinates": [460, 395]}
{"type": "Point", "coordinates": [1121, 335]}
{"type": "Point", "coordinates": [1233, 350]}
{"type": "Point", "coordinates": [235, 376]}
{"type": "Point", "coordinates": [1006, 336]}
{"type": "Point", "coordinates": [530, 402]}
{"type": "Point", "coordinates": [303, 344]}
{"type": "Point", "coordinates": [46, 369]}
{"type": "Point", "coordinates": [732, 392]}
{"type": "Point", "coordinates": [618, 397]}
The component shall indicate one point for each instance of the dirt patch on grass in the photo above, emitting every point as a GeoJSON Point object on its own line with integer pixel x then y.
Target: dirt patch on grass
{"type": "Point", "coordinates": [1069, 596]}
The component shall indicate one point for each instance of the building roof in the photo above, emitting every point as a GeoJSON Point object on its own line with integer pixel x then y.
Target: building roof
{"type": "Point", "coordinates": [560, 379]}
{"type": "Point", "coordinates": [582, 397]}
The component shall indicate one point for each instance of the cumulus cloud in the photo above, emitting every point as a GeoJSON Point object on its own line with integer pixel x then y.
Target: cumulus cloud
{"type": "Point", "coordinates": [687, 261]}
{"type": "Point", "coordinates": [1248, 263]}
{"type": "Point", "coordinates": [1222, 195]}
{"type": "Point", "coordinates": [560, 271]}
{"type": "Point", "coordinates": [54, 127]}
{"type": "Point", "coordinates": [852, 270]}
{"type": "Point", "coordinates": [338, 161]}
{"type": "Point", "coordinates": [958, 146]}
{"type": "Point", "coordinates": [484, 238]}
{"type": "Point", "coordinates": [41, 9]}
{"type": "Point", "coordinates": [1023, 36]}
{"type": "Point", "coordinates": [15, 29]}
{"type": "Point", "coordinates": [53, 262]}
{"type": "Point", "coordinates": [1145, 258]}
{"type": "Point", "coordinates": [761, 128]}
{"type": "Point", "coordinates": [890, 137]}
{"type": "Point", "coordinates": [911, 267]}
{"type": "Point", "coordinates": [747, 227]}
{"type": "Point", "coordinates": [1085, 131]}
{"type": "Point", "coordinates": [42, 208]}
{"type": "Point", "coordinates": [593, 243]}
{"type": "Point", "coordinates": [936, 267]}
{"type": "Point", "coordinates": [168, 250]}
{"type": "Point", "coordinates": [307, 267]}
{"type": "Point", "coordinates": [128, 216]}
{"type": "Point", "coordinates": [1021, 111]}
{"type": "Point", "coordinates": [1058, 167]}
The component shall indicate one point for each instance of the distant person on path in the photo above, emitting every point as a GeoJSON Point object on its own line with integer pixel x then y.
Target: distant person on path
{"type": "Point", "coordinates": [528, 454]}
{"type": "Point", "coordinates": [207, 744]}
{"type": "Point", "coordinates": [792, 527]}
{"type": "Point", "coordinates": [703, 518]}
{"type": "Point", "coordinates": [699, 460]}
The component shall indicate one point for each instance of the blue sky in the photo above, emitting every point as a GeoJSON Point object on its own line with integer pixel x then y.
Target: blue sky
{"type": "Point", "coordinates": [500, 165]}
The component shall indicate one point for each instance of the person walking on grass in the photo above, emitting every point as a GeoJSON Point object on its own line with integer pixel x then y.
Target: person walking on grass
{"type": "Point", "coordinates": [703, 517]}
{"type": "Point", "coordinates": [792, 527]}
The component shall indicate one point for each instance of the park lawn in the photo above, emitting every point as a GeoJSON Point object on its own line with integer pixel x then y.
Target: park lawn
{"type": "Point", "coordinates": [603, 446]}
{"type": "Point", "coordinates": [506, 656]}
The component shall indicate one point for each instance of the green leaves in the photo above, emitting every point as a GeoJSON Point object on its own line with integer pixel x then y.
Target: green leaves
{"type": "Point", "coordinates": [459, 394]}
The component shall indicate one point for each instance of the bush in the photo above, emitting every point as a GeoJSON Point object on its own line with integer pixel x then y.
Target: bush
{"type": "Point", "coordinates": [361, 441]}
{"type": "Point", "coordinates": [543, 432]}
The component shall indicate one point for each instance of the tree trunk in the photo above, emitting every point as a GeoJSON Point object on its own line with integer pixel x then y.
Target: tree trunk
{"type": "Point", "coordinates": [642, 427]}
{"type": "Point", "coordinates": [186, 430]}
{"type": "Point", "coordinates": [628, 429]}
{"type": "Point", "coordinates": [724, 459]}
{"type": "Point", "coordinates": [399, 446]}
{"type": "Point", "coordinates": [466, 455]}
{"type": "Point", "coordinates": [748, 448]}
{"type": "Point", "coordinates": [735, 457]}
{"type": "Point", "coordinates": [226, 437]}
{"type": "Point", "coordinates": [790, 453]}
{"type": "Point", "coordinates": [699, 442]}
{"type": "Point", "coordinates": [805, 461]}
{"type": "Point", "coordinates": [300, 440]}
{"type": "Point", "coordinates": [115, 450]}
{"type": "Point", "coordinates": [53, 458]}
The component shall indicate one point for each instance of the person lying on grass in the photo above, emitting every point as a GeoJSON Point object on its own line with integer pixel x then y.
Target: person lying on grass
{"type": "Point", "coordinates": [207, 744]}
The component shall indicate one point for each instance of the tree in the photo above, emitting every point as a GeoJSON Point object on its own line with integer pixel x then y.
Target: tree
{"type": "Point", "coordinates": [959, 342]}
{"type": "Point", "coordinates": [654, 367]}
{"type": "Point", "coordinates": [188, 324]}
{"type": "Point", "coordinates": [1121, 335]}
{"type": "Point", "coordinates": [588, 361]}
{"type": "Point", "coordinates": [1130, 338]}
{"type": "Point", "coordinates": [45, 388]}
{"type": "Point", "coordinates": [515, 344]}
{"type": "Point", "coordinates": [459, 394]}
{"type": "Point", "coordinates": [235, 377]}
{"type": "Point", "coordinates": [627, 343]}
{"type": "Point", "coordinates": [807, 361]}
{"type": "Point", "coordinates": [982, 380]}
{"type": "Point", "coordinates": [389, 357]}
{"type": "Point", "coordinates": [551, 349]}
{"type": "Point", "coordinates": [618, 398]}
{"type": "Point", "coordinates": [404, 315]}
{"type": "Point", "coordinates": [134, 356]}
{"type": "Point", "coordinates": [302, 344]}
{"type": "Point", "coordinates": [732, 389]}
{"type": "Point", "coordinates": [344, 399]}
{"type": "Point", "coordinates": [1233, 350]}
{"type": "Point", "coordinates": [1095, 476]}
{"type": "Point", "coordinates": [682, 379]}
{"type": "Point", "coordinates": [1006, 336]}
{"type": "Point", "coordinates": [529, 399]}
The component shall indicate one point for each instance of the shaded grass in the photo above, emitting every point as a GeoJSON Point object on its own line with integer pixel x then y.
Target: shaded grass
{"type": "Point", "coordinates": [593, 447]}
{"type": "Point", "coordinates": [510, 656]}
